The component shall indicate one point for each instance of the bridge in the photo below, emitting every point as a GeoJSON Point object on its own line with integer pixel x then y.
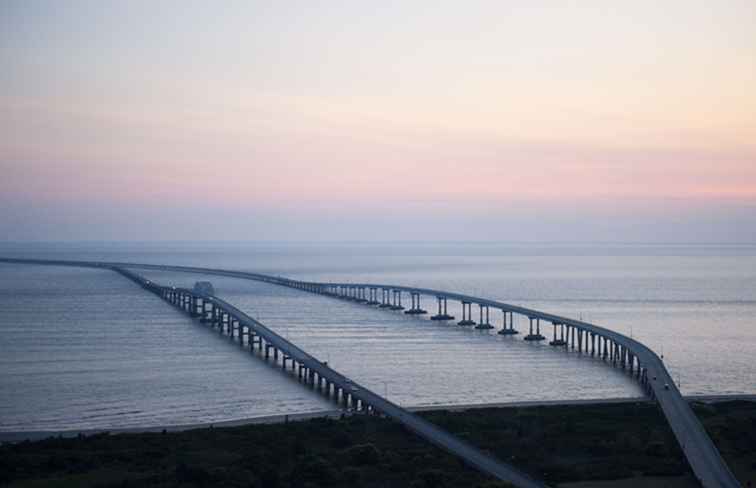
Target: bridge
{"type": "Point", "coordinates": [250, 333]}
{"type": "Point", "coordinates": [616, 349]}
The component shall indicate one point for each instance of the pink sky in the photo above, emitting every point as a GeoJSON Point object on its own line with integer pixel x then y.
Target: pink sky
{"type": "Point", "coordinates": [289, 112]}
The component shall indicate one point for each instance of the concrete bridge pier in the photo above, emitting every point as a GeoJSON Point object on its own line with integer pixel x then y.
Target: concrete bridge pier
{"type": "Point", "coordinates": [484, 325]}
{"type": "Point", "coordinates": [195, 307]}
{"type": "Point", "coordinates": [416, 309]}
{"type": "Point", "coordinates": [385, 303]}
{"type": "Point", "coordinates": [373, 296]}
{"type": "Point", "coordinates": [466, 314]}
{"type": "Point", "coordinates": [558, 341]}
{"type": "Point", "coordinates": [442, 315]}
{"type": "Point", "coordinates": [396, 303]}
{"type": "Point", "coordinates": [508, 330]}
{"type": "Point", "coordinates": [537, 336]}
{"type": "Point", "coordinates": [361, 298]}
{"type": "Point", "coordinates": [203, 313]}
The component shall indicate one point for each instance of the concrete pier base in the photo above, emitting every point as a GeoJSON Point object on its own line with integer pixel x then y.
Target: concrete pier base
{"type": "Point", "coordinates": [485, 326]}
{"type": "Point", "coordinates": [558, 342]}
{"type": "Point", "coordinates": [508, 332]}
{"type": "Point", "coordinates": [442, 316]}
{"type": "Point", "coordinates": [416, 311]}
{"type": "Point", "coordinates": [534, 337]}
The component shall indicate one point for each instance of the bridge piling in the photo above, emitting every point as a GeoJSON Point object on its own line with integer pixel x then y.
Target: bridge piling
{"type": "Point", "coordinates": [556, 341]}
{"type": "Point", "coordinates": [416, 308]}
{"type": "Point", "coordinates": [537, 336]}
{"type": "Point", "coordinates": [442, 314]}
{"type": "Point", "coordinates": [466, 314]}
{"type": "Point", "coordinates": [510, 330]}
{"type": "Point", "coordinates": [396, 303]}
{"type": "Point", "coordinates": [487, 324]}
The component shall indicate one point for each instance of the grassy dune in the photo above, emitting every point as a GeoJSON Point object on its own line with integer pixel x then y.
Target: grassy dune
{"type": "Point", "coordinates": [573, 445]}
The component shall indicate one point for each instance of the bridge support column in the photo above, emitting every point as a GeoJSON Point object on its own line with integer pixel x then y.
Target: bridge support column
{"type": "Point", "coordinates": [204, 319]}
{"type": "Point", "coordinates": [416, 308]}
{"type": "Point", "coordinates": [396, 303]}
{"type": "Point", "coordinates": [484, 325]}
{"type": "Point", "coordinates": [373, 296]}
{"type": "Point", "coordinates": [442, 314]}
{"type": "Point", "coordinates": [537, 336]}
{"type": "Point", "coordinates": [507, 330]}
{"type": "Point", "coordinates": [385, 302]}
{"type": "Point", "coordinates": [466, 314]}
{"type": "Point", "coordinates": [557, 341]}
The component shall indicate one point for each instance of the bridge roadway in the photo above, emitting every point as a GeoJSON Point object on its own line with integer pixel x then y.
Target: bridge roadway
{"type": "Point", "coordinates": [312, 366]}
{"type": "Point", "coordinates": [702, 455]}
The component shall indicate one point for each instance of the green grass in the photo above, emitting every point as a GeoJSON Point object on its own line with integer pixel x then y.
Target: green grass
{"type": "Point", "coordinates": [555, 443]}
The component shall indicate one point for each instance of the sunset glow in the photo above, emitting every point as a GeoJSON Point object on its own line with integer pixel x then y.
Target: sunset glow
{"type": "Point", "coordinates": [288, 111]}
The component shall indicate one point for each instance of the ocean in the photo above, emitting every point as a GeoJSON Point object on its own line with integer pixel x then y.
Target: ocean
{"type": "Point", "coordinates": [87, 349]}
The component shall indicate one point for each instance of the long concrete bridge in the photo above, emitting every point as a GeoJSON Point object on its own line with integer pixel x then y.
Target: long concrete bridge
{"type": "Point", "coordinates": [616, 349]}
{"type": "Point", "coordinates": [250, 333]}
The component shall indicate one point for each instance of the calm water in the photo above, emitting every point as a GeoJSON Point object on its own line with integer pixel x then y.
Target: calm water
{"type": "Point", "coordinates": [86, 348]}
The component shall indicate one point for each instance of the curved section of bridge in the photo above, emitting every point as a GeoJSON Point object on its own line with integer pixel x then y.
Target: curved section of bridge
{"type": "Point", "coordinates": [617, 349]}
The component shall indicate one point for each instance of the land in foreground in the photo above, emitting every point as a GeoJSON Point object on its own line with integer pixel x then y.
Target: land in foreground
{"type": "Point", "coordinates": [625, 444]}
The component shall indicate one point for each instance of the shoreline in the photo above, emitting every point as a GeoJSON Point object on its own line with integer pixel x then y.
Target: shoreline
{"type": "Point", "coordinates": [32, 435]}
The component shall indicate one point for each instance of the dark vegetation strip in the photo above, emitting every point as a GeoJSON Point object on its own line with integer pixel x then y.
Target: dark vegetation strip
{"type": "Point", "coordinates": [555, 443]}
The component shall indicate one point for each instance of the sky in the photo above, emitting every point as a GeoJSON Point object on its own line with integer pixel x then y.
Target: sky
{"type": "Point", "coordinates": [358, 120]}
